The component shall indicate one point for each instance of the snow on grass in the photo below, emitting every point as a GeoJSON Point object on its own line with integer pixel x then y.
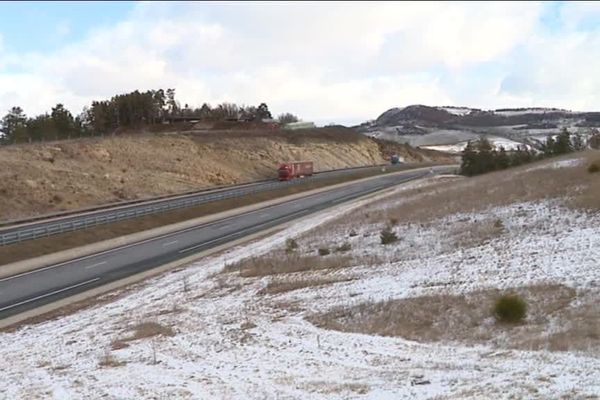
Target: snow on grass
{"type": "Point", "coordinates": [231, 342]}
{"type": "Point", "coordinates": [509, 113]}
{"type": "Point", "coordinates": [456, 110]}
{"type": "Point", "coordinates": [497, 142]}
{"type": "Point", "coordinates": [570, 163]}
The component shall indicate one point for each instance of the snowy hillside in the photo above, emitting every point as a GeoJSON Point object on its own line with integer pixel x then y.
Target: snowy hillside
{"type": "Point", "coordinates": [448, 126]}
{"type": "Point", "coordinates": [457, 110]}
{"type": "Point", "coordinates": [259, 321]}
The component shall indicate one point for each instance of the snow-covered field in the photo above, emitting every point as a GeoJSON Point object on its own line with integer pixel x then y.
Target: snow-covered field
{"type": "Point", "coordinates": [456, 110]}
{"type": "Point", "coordinates": [233, 342]}
{"type": "Point", "coordinates": [495, 141]}
{"type": "Point", "coordinates": [509, 113]}
{"type": "Point", "coordinates": [570, 163]}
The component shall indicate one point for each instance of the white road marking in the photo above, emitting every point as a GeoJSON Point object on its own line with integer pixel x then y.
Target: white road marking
{"type": "Point", "coordinates": [238, 232]}
{"type": "Point", "coordinates": [48, 294]}
{"type": "Point", "coordinates": [292, 204]}
{"type": "Point", "coordinates": [95, 265]}
{"type": "Point", "coordinates": [27, 273]}
{"type": "Point", "coordinates": [170, 243]}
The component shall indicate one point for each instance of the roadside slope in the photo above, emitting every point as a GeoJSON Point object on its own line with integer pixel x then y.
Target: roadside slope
{"type": "Point", "coordinates": [42, 178]}
{"type": "Point", "coordinates": [410, 319]}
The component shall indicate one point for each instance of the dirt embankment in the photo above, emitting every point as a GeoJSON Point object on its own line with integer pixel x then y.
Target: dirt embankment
{"type": "Point", "coordinates": [41, 178]}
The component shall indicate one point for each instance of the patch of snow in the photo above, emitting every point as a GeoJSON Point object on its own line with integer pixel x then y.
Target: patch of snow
{"type": "Point", "coordinates": [497, 142]}
{"type": "Point", "coordinates": [509, 113]}
{"type": "Point", "coordinates": [571, 163]}
{"type": "Point", "coordinates": [456, 110]}
{"type": "Point", "coordinates": [284, 356]}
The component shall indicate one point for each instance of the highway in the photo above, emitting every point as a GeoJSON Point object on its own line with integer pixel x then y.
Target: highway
{"type": "Point", "coordinates": [32, 289]}
{"type": "Point", "coordinates": [19, 231]}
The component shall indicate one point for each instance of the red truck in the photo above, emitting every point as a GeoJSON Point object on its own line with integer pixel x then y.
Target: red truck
{"type": "Point", "coordinates": [291, 170]}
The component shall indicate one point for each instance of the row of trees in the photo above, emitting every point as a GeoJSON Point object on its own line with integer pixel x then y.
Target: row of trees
{"type": "Point", "coordinates": [481, 156]}
{"type": "Point", "coordinates": [134, 109]}
{"type": "Point", "coordinates": [60, 123]}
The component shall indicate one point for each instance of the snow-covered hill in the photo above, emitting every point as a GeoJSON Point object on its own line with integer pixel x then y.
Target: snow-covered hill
{"type": "Point", "coordinates": [446, 126]}
{"type": "Point", "coordinates": [256, 322]}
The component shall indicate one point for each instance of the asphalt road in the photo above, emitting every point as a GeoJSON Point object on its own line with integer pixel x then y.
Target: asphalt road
{"type": "Point", "coordinates": [29, 290]}
{"type": "Point", "coordinates": [75, 220]}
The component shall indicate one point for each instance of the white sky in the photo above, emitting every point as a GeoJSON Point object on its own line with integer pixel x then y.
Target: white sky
{"type": "Point", "coordinates": [326, 62]}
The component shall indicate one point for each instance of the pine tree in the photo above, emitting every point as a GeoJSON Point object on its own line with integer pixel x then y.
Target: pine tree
{"type": "Point", "coordinates": [502, 161]}
{"type": "Point", "coordinates": [485, 157]}
{"type": "Point", "coordinates": [263, 112]}
{"type": "Point", "coordinates": [563, 143]}
{"type": "Point", "coordinates": [13, 125]}
{"type": "Point", "coordinates": [64, 123]}
{"type": "Point", "coordinates": [469, 160]}
{"type": "Point", "coordinates": [578, 142]}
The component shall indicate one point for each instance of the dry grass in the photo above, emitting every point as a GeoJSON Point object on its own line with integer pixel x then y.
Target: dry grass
{"type": "Point", "coordinates": [422, 205]}
{"type": "Point", "coordinates": [277, 286]}
{"type": "Point", "coordinates": [469, 233]}
{"type": "Point", "coordinates": [143, 330]}
{"type": "Point", "coordinates": [55, 243]}
{"type": "Point", "coordinates": [329, 388]}
{"type": "Point", "coordinates": [555, 320]}
{"type": "Point", "coordinates": [275, 264]}
{"type": "Point", "coordinates": [109, 361]}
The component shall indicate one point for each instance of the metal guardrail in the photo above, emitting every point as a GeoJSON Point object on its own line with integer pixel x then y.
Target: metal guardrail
{"type": "Point", "coordinates": [102, 217]}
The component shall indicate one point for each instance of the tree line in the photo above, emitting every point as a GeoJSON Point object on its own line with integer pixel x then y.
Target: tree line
{"type": "Point", "coordinates": [133, 109]}
{"type": "Point", "coordinates": [481, 156]}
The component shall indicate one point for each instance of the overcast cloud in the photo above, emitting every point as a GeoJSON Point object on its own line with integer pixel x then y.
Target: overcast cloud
{"type": "Point", "coordinates": [326, 62]}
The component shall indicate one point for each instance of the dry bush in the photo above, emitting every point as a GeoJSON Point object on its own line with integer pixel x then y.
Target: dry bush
{"type": "Point", "coordinates": [290, 245]}
{"type": "Point", "coordinates": [388, 236]}
{"type": "Point", "coordinates": [150, 329]}
{"type": "Point", "coordinates": [594, 167]}
{"type": "Point", "coordinates": [510, 309]}
{"type": "Point", "coordinates": [467, 319]}
{"type": "Point", "coordinates": [343, 248]}
{"type": "Point", "coordinates": [143, 330]}
{"type": "Point", "coordinates": [323, 251]}
{"type": "Point", "coordinates": [108, 360]}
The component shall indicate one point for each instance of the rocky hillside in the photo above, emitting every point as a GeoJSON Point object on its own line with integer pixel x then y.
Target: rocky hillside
{"type": "Point", "coordinates": [42, 178]}
{"type": "Point", "coordinates": [448, 128]}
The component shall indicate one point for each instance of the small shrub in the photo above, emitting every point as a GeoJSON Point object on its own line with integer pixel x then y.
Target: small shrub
{"type": "Point", "coordinates": [323, 251]}
{"type": "Point", "coordinates": [393, 221]}
{"type": "Point", "coordinates": [353, 233]}
{"type": "Point", "coordinates": [344, 247]}
{"type": "Point", "coordinates": [498, 224]}
{"type": "Point", "coordinates": [290, 245]}
{"type": "Point", "coordinates": [510, 309]}
{"type": "Point", "coordinates": [594, 167]}
{"type": "Point", "coordinates": [388, 236]}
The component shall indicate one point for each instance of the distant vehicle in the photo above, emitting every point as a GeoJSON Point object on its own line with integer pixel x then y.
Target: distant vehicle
{"type": "Point", "coordinates": [290, 170]}
{"type": "Point", "coordinates": [395, 159]}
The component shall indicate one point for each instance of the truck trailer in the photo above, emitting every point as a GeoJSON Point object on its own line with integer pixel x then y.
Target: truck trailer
{"type": "Point", "coordinates": [290, 170]}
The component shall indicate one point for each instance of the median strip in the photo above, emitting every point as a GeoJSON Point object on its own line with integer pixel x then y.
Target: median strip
{"type": "Point", "coordinates": [48, 245]}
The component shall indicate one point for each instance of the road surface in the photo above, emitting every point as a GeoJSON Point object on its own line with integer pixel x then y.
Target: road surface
{"type": "Point", "coordinates": [32, 289]}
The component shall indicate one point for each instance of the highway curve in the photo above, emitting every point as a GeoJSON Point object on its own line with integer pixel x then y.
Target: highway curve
{"type": "Point", "coordinates": [30, 290]}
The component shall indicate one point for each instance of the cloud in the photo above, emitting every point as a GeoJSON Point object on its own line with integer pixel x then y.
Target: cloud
{"type": "Point", "coordinates": [63, 29]}
{"type": "Point", "coordinates": [323, 61]}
